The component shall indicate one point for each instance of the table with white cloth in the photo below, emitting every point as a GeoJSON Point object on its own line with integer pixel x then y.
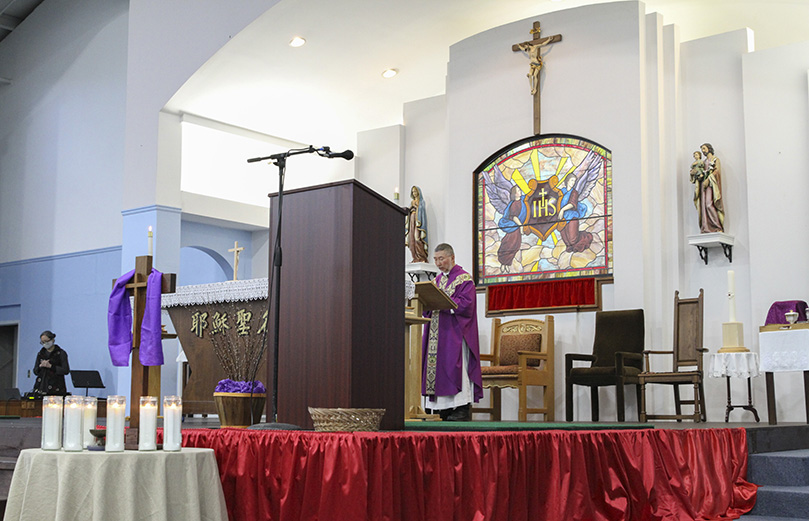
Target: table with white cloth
{"type": "Point", "coordinates": [783, 348]}
{"type": "Point", "coordinates": [92, 485]}
{"type": "Point", "coordinates": [736, 365]}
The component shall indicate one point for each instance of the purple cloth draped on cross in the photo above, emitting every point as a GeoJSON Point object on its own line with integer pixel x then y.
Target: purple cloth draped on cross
{"type": "Point", "coordinates": [119, 322]}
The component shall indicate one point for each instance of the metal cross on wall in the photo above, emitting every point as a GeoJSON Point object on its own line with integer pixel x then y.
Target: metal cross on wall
{"type": "Point", "coordinates": [533, 49]}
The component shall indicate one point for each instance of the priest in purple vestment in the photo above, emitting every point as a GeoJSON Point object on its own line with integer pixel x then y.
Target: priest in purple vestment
{"type": "Point", "coordinates": [451, 350]}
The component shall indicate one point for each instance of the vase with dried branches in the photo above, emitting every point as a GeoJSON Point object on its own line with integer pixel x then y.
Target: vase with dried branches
{"type": "Point", "coordinates": [240, 397]}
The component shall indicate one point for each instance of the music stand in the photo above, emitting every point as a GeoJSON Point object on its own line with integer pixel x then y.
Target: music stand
{"type": "Point", "coordinates": [87, 380]}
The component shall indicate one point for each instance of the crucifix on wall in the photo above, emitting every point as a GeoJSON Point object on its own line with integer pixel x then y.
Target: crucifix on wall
{"type": "Point", "coordinates": [534, 48]}
{"type": "Point", "coordinates": [236, 252]}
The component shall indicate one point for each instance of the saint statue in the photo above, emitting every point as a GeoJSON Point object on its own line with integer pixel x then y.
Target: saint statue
{"type": "Point", "coordinates": [416, 227]}
{"type": "Point", "coordinates": [706, 174]}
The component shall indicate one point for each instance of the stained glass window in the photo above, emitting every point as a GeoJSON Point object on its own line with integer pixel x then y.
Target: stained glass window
{"type": "Point", "coordinates": [543, 210]}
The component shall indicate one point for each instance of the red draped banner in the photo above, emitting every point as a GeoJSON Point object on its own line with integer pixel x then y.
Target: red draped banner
{"type": "Point", "coordinates": [510, 476]}
{"type": "Point", "coordinates": [544, 295]}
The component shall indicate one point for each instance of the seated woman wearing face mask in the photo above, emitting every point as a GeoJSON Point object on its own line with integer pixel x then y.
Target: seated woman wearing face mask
{"type": "Point", "coordinates": [51, 367]}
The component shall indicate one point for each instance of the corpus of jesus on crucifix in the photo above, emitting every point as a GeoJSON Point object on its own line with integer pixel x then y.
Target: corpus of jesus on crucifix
{"type": "Point", "coordinates": [534, 48]}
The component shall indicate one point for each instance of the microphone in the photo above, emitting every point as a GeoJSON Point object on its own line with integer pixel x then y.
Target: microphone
{"type": "Point", "coordinates": [347, 154]}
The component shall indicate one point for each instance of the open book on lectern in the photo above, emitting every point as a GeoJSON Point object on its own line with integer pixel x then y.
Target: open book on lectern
{"type": "Point", "coordinates": [432, 298]}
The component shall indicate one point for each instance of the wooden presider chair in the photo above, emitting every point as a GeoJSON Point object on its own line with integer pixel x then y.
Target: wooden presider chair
{"type": "Point", "coordinates": [521, 356]}
{"type": "Point", "coordinates": [687, 353]}
{"type": "Point", "coordinates": [616, 359]}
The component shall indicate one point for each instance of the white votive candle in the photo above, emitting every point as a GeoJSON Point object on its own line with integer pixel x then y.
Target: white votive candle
{"type": "Point", "coordinates": [172, 423]}
{"type": "Point", "coordinates": [89, 416]}
{"type": "Point", "coordinates": [116, 411]}
{"type": "Point", "coordinates": [147, 435]}
{"type": "Point", "coordinates": [51, 423]}
{"type": "Point", "coordinates": [71, 440]}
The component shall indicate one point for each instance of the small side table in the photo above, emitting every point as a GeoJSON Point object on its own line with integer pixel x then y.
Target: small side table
{"type": "Point", "coordinates": [739, 365]}
{"type": "Point", "coordinates": [784, 347]}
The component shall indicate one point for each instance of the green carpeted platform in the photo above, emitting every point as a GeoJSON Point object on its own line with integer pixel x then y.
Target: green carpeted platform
{"type": "Point", "coordinates": [417, 425]}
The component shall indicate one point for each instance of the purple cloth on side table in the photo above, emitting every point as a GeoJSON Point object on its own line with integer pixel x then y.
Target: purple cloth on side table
{"type": "Point", "coordinates": [776, 313]}
{"type": "Point", "coordinates": [119, 322]}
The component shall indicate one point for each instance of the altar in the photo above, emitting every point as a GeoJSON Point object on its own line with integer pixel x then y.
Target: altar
{"type": "Point", "coordinates": [784, 348]}
{"type": "Point", "coordinates": [235, 310]}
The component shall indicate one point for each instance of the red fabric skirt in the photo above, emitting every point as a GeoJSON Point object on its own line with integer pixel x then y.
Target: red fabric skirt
{"type": "Point", "coordinates": [543, 294]}
{"type": "Point", "coordinates": [511, 476]}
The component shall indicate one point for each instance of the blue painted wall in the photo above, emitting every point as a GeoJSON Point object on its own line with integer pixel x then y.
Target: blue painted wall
{"type": "Point", "coordinates": [204, 256]}
{"type": "Point", "coordinates": [67, 294]}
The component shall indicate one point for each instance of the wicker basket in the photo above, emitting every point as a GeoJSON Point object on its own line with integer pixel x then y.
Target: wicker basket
{"type": "Point", "coordinates": [331, 420]}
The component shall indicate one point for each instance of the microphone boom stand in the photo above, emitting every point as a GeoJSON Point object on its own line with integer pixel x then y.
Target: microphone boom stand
{"type": "Point", "coordinates": [279, 160]}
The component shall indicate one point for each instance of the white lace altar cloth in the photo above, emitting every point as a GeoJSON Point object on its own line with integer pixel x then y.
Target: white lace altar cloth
{"type": "Point", "coordinates": [784, 350]}
{"type": "Point", "coordinates": [737, 365]}
{"type": "Point", "coordinates": [233, 291]}
{"type": "Point", "coordinates": [230, 291]}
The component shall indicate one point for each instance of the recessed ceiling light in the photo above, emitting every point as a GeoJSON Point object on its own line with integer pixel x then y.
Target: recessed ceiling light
{"type": "Point", "coordinates": [297, 42]}
{"type": "Point", "coordinates": [390, 73]}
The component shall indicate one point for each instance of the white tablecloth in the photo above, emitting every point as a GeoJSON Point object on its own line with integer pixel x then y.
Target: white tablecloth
{"type": "Point", "coordinates": [130, 485]}
{"type": "Point", "coordinates": [786, 350]}
{"type": "Point", "coordinates": [738, 365]}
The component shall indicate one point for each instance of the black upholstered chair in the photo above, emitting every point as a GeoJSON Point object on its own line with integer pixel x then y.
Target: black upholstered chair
{"type": "Point", "coordinates": [616, 359]}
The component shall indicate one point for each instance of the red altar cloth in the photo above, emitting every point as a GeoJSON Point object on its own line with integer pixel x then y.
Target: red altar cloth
{"type": "Point", "coordinates": [511, 476]}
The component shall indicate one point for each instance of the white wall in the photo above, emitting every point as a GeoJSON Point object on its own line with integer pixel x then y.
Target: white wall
{"type": "Point", "coordinates": [380, 160]}
{"type": "Point", "coordinates": [776, 117]}
{"type": "Point", "coordinates": [168, 42]}
{"type": "Point", "coordinates": [62, 129]}
{"type": "Point", "coordinates": [713, 112]}
{"type": "Point", "coordinates": [426, 163]}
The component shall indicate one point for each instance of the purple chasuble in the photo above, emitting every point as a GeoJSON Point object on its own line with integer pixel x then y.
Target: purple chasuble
{"type": "Point", "coordinates": [452, 329]}
{"type": "Point", "coordinates": [119, 322]}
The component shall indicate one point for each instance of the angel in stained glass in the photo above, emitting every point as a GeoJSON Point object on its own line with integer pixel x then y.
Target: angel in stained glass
{"type": "Point", "coordinates": [576, 188]}
{"type": "Point", "coordinates": [507, 200]}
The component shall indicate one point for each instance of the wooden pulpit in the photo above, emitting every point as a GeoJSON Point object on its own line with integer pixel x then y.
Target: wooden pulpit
{"type": "Point", "coordinates": [341, 304]}
{"type": "Point", "coordinates": [427, 298]}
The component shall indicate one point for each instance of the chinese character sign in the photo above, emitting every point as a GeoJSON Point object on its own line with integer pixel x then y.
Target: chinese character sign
{"type": "Point", "coordinates": [220, 340]}
{"type": "Point", "coordinates": [543, 210]}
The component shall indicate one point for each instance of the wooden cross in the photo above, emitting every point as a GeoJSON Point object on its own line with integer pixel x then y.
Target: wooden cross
{"type": "Point", "coordinates": [236, 251]}
{"type": "Point", "coordinates": [145, 380]}
{"type": "Point", "coordinates": [533, 49]}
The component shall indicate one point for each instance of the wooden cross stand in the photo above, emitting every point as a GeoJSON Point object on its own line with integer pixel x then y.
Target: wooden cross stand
{"type": "Point", "coordinates": [533, 49]}
{"type": "Point", "coordinates": [145, 380]}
